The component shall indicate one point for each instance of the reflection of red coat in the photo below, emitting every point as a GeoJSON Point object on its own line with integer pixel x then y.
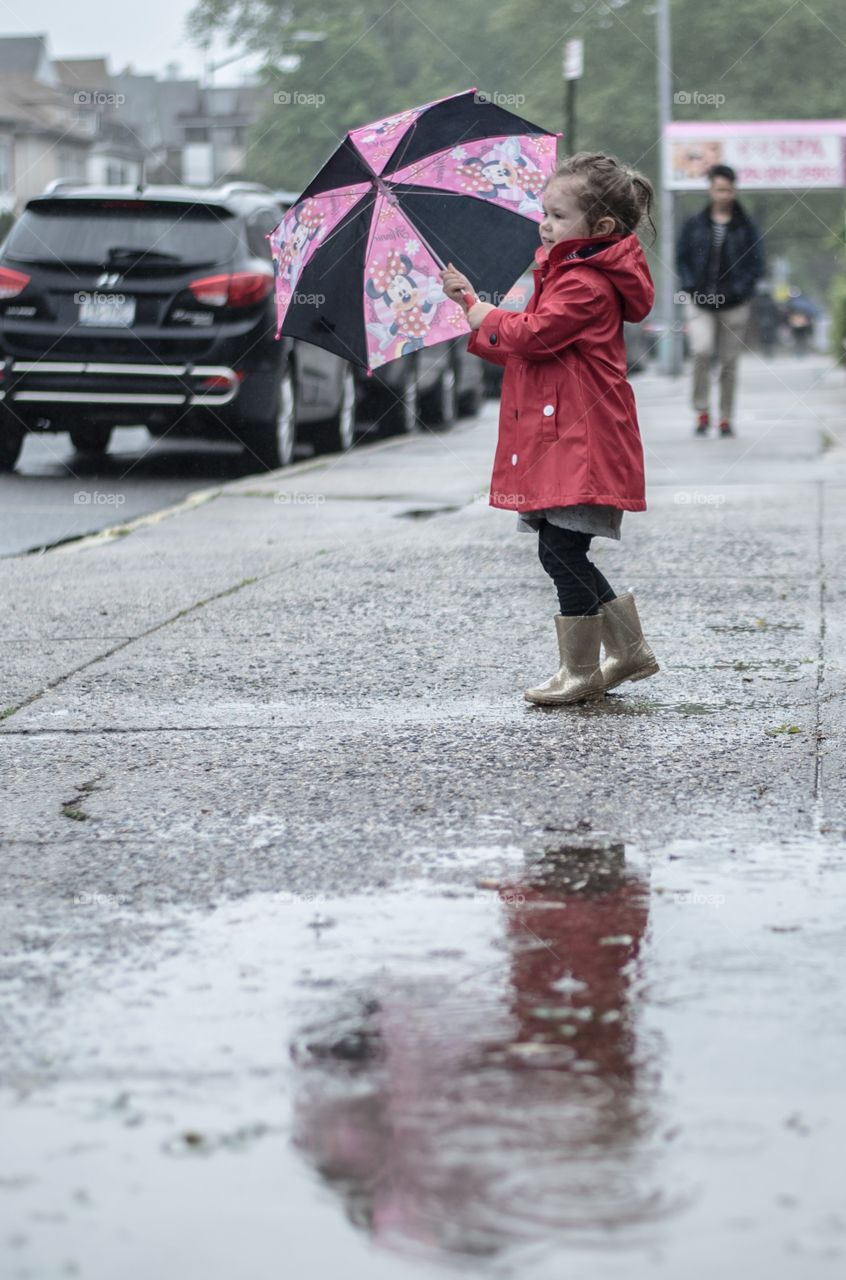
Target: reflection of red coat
{"type": "Point", "coordinates": [576, 932]}
{"type": "Point", "coordinates": [568, 430]}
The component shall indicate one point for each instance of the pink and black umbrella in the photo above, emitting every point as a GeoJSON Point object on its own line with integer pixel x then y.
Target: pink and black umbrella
{"type": "Point", "coordinates": [357, 258]}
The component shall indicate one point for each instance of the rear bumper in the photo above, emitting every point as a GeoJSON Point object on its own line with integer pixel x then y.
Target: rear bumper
{"type": "Point", "coordinates": [84, 382]}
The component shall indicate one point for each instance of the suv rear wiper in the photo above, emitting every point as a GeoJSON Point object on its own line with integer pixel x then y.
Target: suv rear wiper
{"type": "Point", "coordinates": [124, 253]}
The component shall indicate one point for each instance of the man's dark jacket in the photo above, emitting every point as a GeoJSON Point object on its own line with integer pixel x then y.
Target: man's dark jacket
{"type": "Point", "coordinates": [741, 262]}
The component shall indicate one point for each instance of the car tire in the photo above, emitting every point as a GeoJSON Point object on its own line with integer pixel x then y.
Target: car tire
{"type": "Point", "coordinates": [338, 433]}
{"type": "Point", "coordinates": [90, 437]}
{"type": "Point", "coordinates": [440, 405]}
{"type": "Point", "coordinates": [470, 402]}
{"type": "Point", "coordinates": [492, 380]}
{"type": "Point", "coordinates": [272, 442]}
{"type": "Point", "coordinates": [12, 433]}
{"type": "Point", "coordinates": [402, 416]}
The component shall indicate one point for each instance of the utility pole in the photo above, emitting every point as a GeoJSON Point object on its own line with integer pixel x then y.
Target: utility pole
{"type": "Point", "coordinates": [670, 354]}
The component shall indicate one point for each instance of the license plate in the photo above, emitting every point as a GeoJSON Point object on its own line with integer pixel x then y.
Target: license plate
{"type": "Point", "coordinates": [107, 313]}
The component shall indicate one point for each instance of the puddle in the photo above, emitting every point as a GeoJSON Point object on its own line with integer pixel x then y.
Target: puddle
{"type": "Point", "coordinates": [767, 664]}
{"type": "Point", "coordinates": [581, 1062]}
{"type": "Point", "coordinates": [760, 625]}
{"type": "Point", "coordinates": [626, 705]}
{"type": "Point", "coordinates": [426, 513]}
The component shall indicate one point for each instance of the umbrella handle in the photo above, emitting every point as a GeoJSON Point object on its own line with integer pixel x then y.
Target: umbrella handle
{"type": "Point", "coordinates": [470, 300]}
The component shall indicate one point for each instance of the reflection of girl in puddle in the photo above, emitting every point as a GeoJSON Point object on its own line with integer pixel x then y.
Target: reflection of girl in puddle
{"type": "Point", "coordinates": [498, 1110]}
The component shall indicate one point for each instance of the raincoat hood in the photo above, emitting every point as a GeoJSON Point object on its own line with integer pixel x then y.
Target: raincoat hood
{"type": "Point", "coordinates": [620, 258]}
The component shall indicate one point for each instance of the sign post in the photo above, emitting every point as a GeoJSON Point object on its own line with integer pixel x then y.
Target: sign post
{"type": "Point", "coordinates": [572, 65]}
{"type": "Point", "coordinates": [670, 346]}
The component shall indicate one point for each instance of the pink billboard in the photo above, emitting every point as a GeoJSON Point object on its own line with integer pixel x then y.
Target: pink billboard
{"type": "Point", "coordinates": [767, 155]}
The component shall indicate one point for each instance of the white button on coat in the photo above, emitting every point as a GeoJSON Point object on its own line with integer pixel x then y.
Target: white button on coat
{"type": "Point", "coordinates": [514, 459]}
{"type": "Point", "coordinates": [548, 410]}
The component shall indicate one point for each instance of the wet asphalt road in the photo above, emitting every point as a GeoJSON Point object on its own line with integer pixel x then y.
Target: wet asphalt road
{"type": "Point", "coordinates": [55, 493]}
{"type": "Point", "coordinates": [319, 942]}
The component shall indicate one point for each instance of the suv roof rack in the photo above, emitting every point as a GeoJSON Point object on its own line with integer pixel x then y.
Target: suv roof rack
{"type": "Point", "coordinates": [62, 184]}
{"type": "Point", "coordinates": [246, 188]}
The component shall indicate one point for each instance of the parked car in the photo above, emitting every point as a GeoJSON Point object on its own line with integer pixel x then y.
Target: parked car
{"type": "Point", "coordinates": [430, 387]}
{"type": "Point", "coordinates": [120, 306]}
{"type": "Point", "coordinates": [640, 343]}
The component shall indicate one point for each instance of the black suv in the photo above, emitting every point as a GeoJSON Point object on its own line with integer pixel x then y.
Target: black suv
{"type": "Point", "coordinates": [120, 306]}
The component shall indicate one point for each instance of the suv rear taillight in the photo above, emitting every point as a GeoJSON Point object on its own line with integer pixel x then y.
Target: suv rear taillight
{"type": "Point", "coordinates": [11, 283]}
{"type": "Point", "coordinates": [238, 289]}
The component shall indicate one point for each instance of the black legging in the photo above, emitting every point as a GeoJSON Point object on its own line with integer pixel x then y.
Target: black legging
{"type": "Point", "coordinates": [563, 553]}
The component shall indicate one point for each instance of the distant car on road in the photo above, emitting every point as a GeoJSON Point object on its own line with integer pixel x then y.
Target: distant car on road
{"type": "Point", "coordinates": [430, 387]}
{"type": "Point", "coordinates": [121, 306]}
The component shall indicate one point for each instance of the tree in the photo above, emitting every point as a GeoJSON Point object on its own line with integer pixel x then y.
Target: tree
{"type": "Point", "coordinates": [378, 56]}
{"type": "Point", "coordinates": [372, 58]}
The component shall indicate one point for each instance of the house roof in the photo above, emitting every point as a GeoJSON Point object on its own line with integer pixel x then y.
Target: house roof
{"type": "Point", "coordinates": [21, 53]}
{"type": "Point", "coordinates": [27, 55]}
{"type": "Point", "coordinates": [32, 107]}
{"type": "Point", "coordinates": [83, 73]}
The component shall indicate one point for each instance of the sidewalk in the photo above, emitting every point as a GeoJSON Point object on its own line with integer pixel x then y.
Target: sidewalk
{"type": "Point", "coordinates": [309, 684]}
{"type": "Point", "coordinates": [373, 606]}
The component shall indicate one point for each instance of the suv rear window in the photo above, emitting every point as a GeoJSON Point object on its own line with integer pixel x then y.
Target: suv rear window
{"type": "Point", "coordinates": [87, 232]}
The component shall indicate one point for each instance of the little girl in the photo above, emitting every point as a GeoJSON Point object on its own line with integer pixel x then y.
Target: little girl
{"type": "Point", "coordinates": [569, 458]}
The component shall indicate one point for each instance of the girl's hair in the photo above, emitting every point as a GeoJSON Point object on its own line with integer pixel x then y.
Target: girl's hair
{"type": "Point", "coordinates": [605, 187]}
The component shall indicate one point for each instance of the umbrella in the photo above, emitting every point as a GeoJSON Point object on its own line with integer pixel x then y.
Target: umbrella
{"type": "Point", "coordinates": [357, 258]}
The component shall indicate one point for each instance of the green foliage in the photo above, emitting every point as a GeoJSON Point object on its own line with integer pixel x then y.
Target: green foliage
{"type": "Point", "coordinates": [837, 302]}
{"type": "Point", "coordinates": [757, 60]}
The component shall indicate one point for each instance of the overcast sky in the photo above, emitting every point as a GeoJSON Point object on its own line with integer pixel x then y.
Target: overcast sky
{"type": "Point", "coordinates": [147, 33]}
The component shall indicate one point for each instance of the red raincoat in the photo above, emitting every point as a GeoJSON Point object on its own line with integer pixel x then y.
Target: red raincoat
{"type": "Point", "coordinates": [568, 430]}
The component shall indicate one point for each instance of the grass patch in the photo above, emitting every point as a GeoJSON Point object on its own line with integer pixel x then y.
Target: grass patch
{"type": "Point", "coordinates": [70, 810]}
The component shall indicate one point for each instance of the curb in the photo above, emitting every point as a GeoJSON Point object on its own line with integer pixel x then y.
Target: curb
{"type": "Point", "coordinates": [114, 532]}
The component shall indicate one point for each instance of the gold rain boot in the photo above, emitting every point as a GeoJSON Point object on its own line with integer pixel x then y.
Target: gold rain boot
{"type": "Point", "coordinates": [579, 678]}
{"type": "Point", "coordinates": [627, 655]}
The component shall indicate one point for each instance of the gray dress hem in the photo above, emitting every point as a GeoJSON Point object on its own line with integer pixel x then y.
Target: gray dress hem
{"type": "Point", "coordinates": [600, 521]}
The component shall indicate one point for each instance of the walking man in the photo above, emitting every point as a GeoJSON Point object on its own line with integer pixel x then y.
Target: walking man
{"type": "Point", "coordinates": [719, 259]}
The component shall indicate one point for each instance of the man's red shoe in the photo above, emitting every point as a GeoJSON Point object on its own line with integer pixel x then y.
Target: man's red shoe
{"type": "Point", "coordinates": [726, 427]}
{"type": "Point", "coordinates": [703, 422]}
